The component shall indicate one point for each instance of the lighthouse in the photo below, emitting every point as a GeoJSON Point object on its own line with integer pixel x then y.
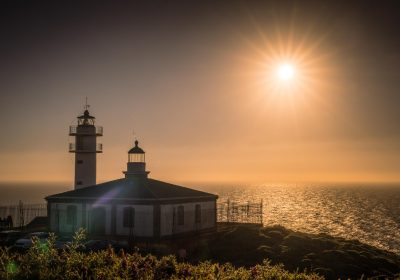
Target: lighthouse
{"type": "Point", "coordinates": [85, 149]}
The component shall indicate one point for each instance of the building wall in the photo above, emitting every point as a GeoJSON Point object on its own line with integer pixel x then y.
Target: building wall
{"type": "Point", "coordinates": [143, 225]}
{"type": "Point", "coordinates": [85, 169]}
{"type": "Point", "coordinates": [85, 157]}
{"type": "Point", "coordinates": [58, 218]}
{"type": "Point", "coordinates": [107, 218]}
{"type": "Point", "coordinates": [169, 223]}
{"type": "Point", "coordinates": [144, 218]}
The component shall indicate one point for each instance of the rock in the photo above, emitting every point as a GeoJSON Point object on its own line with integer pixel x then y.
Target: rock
{"type": "Point", "coordinates": [276, 236]}
{"type": "Point", "coordinates": [385, 264]}
{"type": "Point", "coordinates": [323, 243]}
{"type": "Point", "coordinates": [297, 242]}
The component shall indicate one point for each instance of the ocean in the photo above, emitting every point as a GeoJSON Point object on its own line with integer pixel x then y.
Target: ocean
{"type": "Point", "coordinates": [370, 214]}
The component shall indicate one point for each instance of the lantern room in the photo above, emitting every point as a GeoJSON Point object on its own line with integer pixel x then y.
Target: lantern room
{"type": "Point", "coordinates": [86, 119]}
{"type": "Point", "coordinates": [136, 166]}
{"type": "Point", "coordinates": [136, 154]}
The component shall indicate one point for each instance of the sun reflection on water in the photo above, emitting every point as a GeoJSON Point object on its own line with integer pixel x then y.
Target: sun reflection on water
{"type": "Point", "coordinates": [368, 214]}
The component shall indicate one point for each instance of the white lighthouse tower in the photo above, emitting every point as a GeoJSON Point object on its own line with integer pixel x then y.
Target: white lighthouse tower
{"type": "Point", "coordinates": [85, 149]}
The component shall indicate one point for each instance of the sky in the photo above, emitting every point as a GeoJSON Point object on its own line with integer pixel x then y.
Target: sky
{"type": "Point", "coordinates": [194, 83]}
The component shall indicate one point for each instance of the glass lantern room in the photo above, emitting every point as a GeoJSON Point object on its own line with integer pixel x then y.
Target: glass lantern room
{"type": "Point", "coordinates": [136, 154]}
{"type": "Point", "coordinates": [86, 119]}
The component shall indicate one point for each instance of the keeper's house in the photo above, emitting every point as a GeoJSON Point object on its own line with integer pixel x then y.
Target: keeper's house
{"type": "Point", "coordinates": [134, 206]}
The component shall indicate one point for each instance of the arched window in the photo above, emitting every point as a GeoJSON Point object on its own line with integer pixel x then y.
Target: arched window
{"type": "Point", "coordinates": [71, 214]}
{"type": "Point", "coordinates": [181, 216]}
{"type": "Point", "coordinates": [129, 217]}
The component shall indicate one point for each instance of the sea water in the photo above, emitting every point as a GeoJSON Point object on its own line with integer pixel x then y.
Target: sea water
{"type": "Point", "coordinates": [370, 214]}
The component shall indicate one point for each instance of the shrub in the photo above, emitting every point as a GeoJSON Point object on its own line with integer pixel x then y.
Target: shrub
{"type": "Point", "coordinates": [43, 261]}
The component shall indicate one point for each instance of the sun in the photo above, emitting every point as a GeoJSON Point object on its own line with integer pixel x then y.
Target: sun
{"type": "Point", "coordinates": [283, 63]}
{"type": "Point", "coordinates": [286, 72]}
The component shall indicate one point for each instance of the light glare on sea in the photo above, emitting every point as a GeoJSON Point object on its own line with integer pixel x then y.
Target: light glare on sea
{"type": "Point", "coordinates": [370, 214]}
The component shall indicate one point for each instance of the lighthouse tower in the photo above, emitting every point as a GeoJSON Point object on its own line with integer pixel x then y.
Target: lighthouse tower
{"type": "Point", "coordinates": [85, 149]}
{"type": "Point", "coordinates": [136, 166]}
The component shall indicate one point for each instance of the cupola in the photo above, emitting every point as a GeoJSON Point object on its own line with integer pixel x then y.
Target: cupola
{"type": "Point", "coordinates": [86, 119]}
{"type": "Point", "coordinates": [136, 166]}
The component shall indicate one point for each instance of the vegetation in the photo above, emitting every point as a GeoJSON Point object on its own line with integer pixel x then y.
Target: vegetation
{"type": "Point", "coordinates": [233, 252]}
{"type": "Point", "coordinates": [43, 261]}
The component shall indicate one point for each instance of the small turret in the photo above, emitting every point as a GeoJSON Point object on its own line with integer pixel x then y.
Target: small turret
{"type": "Point", "coordinates": [136, 166]}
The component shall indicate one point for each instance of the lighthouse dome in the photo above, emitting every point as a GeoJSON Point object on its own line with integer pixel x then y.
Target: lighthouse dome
{"type": "Point", "coordinates": [136, 149]}
{"type": "Point", "coordinates": [136, 167]}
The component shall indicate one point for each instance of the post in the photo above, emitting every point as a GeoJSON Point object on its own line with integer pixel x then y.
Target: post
{"type": "Point", "coordinates": [227, 211]}
{"type": "Point", "coordinates": [57, 218]}
{"type": "Point", "coordinates": [21, 213]}
{"type": "Point", "coordinates": [216, 213]}
{"type": "Point", "coordinates": [49, 217]}
{"type": "Point", "coordinates": [83, 218]}
{"type": "Point", "coordinates": [156, 221]}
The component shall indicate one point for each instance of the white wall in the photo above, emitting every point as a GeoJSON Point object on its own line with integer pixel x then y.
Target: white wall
{"type": "Point", "coordinates": [143, 220]}
{"type": "Point", "coordinates": [107, 218]}
{"type": "Point", "coordinates": [60, 210]}
{"type": "Point", "coordinates": [167, 213]}
{"type": "Point", "coordinates": [85, 171]}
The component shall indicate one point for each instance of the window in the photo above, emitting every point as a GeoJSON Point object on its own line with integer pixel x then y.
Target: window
{"type": "Point", "coordinates": [71, 215]}
{"type": "Point", "coordinates": [181, 216]}
{"type": "Point", "coordinates": [197, 214]}
{"type": "Point", "coordinates": [129, 217]}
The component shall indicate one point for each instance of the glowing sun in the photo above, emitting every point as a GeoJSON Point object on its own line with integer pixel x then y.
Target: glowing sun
{"type": "Point", "coordinates": [286, 72]}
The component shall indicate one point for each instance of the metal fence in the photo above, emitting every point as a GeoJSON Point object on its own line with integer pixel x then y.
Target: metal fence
{"type": "Point", "coordinates": [236, 212]}
{"type": "Point", "coordinates": [227, 211]}
{"type": "Point", "coordinates": [21, 214]}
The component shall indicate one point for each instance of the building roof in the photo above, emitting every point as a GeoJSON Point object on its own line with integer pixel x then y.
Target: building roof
{"type": "Point", "coordinates": [134, 189]}
{"type": "Point", "coordinates": [86, 115]}
{"type": "Point", "coordinates": [136, 149]}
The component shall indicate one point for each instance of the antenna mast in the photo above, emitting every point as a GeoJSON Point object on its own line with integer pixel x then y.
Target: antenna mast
{"type": "Point", "coordinates": [86, 104]}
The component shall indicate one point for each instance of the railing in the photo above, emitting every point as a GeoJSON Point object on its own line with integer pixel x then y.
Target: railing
{"type": "Point", "coordinates": [73, 130]}
{"type": "Point", "coordinates": [99, 130]}
{"type": "Point", "coordinates": [20, 214]}
{"type": "Point", "coordinates": [227, 211]}
{"type": "Point", "coordinates": [73, 148]}
{"type": "Point", "coordinates": [235, 212]}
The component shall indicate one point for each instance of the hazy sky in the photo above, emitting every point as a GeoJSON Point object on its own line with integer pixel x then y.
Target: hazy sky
{"type": "Point", "coordinates": [193, 81]}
